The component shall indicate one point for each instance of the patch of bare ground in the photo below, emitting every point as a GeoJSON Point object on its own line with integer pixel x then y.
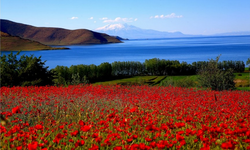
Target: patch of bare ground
{"type": "Point", "coordinates": [241, 83]}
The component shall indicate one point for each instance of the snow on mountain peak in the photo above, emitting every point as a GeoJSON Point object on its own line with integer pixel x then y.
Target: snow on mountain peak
{"type": "Point", "coordinates": [133, 32]}
{"type": "Point", "coordinates": [112, 27]}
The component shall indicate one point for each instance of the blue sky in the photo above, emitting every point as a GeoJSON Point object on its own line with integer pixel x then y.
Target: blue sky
{"type": "Point", "coordinates": [187, 16]}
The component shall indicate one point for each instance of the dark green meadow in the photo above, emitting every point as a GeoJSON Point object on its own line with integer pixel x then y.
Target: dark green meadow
{"type": "Point", "coordinates": [242, 80]}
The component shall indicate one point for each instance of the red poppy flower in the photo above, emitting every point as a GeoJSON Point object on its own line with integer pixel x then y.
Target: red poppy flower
{"type": "Point", "coordinates": [98, 139]}
{"type": "Point", "coordinates": [179, 137]}
{"type": "Point", "coordinates": [33, 145]}
{"type": "Point", "coordinates": [74, 133]}
{"type": "Point", "coordinates": [179, 124]}
{"type": "Point", "coordinates": [95, 135]}
{"type": "Point", "coordinates": [81, 143]}
{"type": "Point", "coordinates": [227, 145]}
{"type": "Point", "coordinates": [129, 140]}
{"type": "Point", "coordinates": [94, 147]}
{"type": "Point", "coordinates": [148, 139]}
{"type": "Point", "coordinates": [117, 148]}
{"type": "Point", "coordinates": [133, 110]}
{"type": "Point", "coordinates": [39, 127]}
{"type": "Point", "coordinates": [150, 127]}
{"type": "Point", "coordinates": [16, 110]}
{"type": "Point", "coordinates": [81, 123]}
{"type": "Point", "coordinates": [86, 128]}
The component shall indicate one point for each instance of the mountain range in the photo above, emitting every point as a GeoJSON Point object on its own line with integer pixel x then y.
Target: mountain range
{"type": "Point", "coordinates": [233, 33]}
{"type": "Point", "coordinates": [15, 43]}
{"type": "Point", "coordinates": [18, 36]}
{"type": "Point", "coordinates": [55, 36]}
{"type": "Point", "coordinates": [133, 32]}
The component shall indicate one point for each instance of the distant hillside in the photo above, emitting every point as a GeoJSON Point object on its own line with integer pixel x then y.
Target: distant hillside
{"type": "Point", "coordinates": [55, 36]}
{"type": "Point", "coordinates": [233, 33]}
{"type": "Point", "coordinates": [133, 32]}
{"type": "Point", "coordinates": [119, 38]}
{"type": "Point", "coordinates": [15, 43]}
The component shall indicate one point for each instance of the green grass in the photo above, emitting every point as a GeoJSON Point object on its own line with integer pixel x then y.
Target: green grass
{"type": "Point", "coordinates": [243, 88]}
{"type": "Point", "coordinates": [182, 81]}
{"type": "Point", "coordinates": [242, 78]}
{"type": "Point", "coordinates": [176, 78]}
{"type": "Point", "coordinates": [192, 77]}
{"type": "Point", "coordinates": [148, 80]}
{"type": "Point", "coordinates": [158, 80]}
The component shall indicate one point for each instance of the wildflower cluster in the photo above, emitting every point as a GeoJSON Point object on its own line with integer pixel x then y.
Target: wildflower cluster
{"type": "Point", "coordinates": [123, 117]}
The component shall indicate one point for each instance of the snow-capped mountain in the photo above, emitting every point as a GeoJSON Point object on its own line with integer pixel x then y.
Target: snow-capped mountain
{"type": "Point", "coordinates": [118, 27]}
{"type": "Point", "coordinates": [132, 32]}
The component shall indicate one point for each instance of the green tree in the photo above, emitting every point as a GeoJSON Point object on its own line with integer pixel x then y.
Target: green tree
{"type": "Point", "coordinates": [210, 76]}
{"type": "Point", "coordinates": [25, 71]}
{"type": "Point", "coordinates": [104, 71]}
{"type": "Point", "coordinates": [248, 61]}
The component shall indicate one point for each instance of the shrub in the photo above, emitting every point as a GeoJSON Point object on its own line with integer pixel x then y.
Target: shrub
{"type": "Point", "coordinates": [210, 76]}
{"type": "Point", "coordinates": [25, 71]}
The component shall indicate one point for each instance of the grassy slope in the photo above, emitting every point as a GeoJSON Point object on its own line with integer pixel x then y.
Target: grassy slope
{"type": "Point", "coordinates": [149, 80]}
{"type": "Point", "coordinates": [14, 43]}
{"type": "Point", "coordinates": [242, 81]}
{"type": "Point", "coordinates": [155, 80]}
{"type": "Point", "coordinates": [55, 36]}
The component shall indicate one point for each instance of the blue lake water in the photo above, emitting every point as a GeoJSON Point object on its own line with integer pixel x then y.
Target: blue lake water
{"type": "Point", "coordinates": [182, 49]}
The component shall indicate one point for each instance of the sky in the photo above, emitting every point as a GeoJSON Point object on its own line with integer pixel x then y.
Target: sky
{"type": "Point", "coordinates": [187, 16]}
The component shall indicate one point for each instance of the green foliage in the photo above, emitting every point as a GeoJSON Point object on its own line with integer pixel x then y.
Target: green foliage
{"type": "Point", "coordinates": [104, 71]}
{"type": "Point", "coordinates": [210, 76]}
{"type": "Point", "coordinates": [168, 82]}
{"type": "Point", "coordinates": [158, 66]}
{"type": "Point", "coordinates": [127, 68]}
{"type": "Point", "coordinates": [155, 66]}
{"type": "Point", "coordinates": [243, 88]}
{"type": "Point", "coordinates": [184, 82]}
{"type": "Point", "coordinates": [248, 61]}
{"type": "Point", "coordinates": [25, 71]}
{"type": "Point", "coordinates": [76, 79]}
{"type": "Point", "coordinates": [82, 74]}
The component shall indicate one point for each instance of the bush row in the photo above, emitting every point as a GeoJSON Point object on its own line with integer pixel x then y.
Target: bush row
{"type": "Point", "coordinates": [30, 70]}
{"type": "Point", "coordinates": [155, 66]}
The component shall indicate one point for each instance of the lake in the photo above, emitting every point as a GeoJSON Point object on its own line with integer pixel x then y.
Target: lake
{"type": "Point", "coordinates": [183, 49]}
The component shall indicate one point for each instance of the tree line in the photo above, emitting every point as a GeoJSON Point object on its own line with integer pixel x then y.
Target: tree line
{"type": "Point", "coordinates": [155, 66]}
{"type": "Point", "coordinates": [30, 70]}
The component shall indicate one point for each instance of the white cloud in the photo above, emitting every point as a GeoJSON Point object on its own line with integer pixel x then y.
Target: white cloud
{"type": "Point", "coordinates": [74, 18]}
{"type": "Point", "coordinates": [91, 18]}
{"type": "Point", "coordinates": [104, 18]}
{"type": "Point", "coordinates": [118, 19]}
{"type": "Point", "coordinates": [172, 15]}
{"type": "Point", "coordinates": [94, 21]}
{"type": "Point", "coordinates": [135, 19]}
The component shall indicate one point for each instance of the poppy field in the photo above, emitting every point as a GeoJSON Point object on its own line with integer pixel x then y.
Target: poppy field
{"type": "Point", "coordinates": [116, 117]}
